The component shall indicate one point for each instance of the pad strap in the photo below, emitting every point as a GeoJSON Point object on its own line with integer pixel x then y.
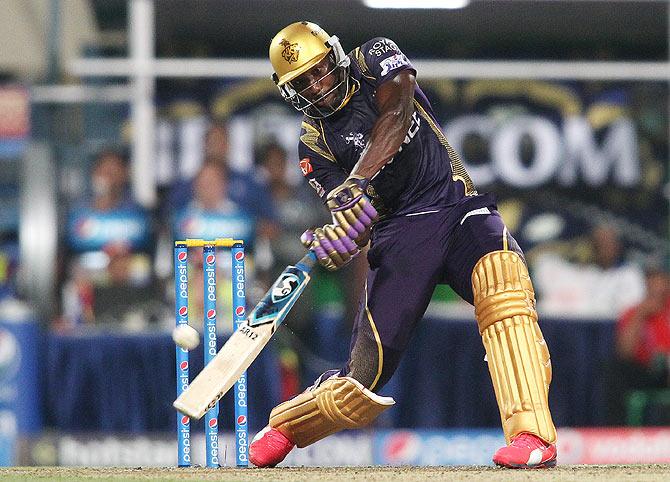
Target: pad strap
{"type": "Point", "coordinates": [336, 404]}
{"type": "Point", "coordinates": [518, 357]}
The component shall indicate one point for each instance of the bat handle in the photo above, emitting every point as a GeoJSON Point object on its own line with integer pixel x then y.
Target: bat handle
{"type": "Point", "coordinates": [307, 262]}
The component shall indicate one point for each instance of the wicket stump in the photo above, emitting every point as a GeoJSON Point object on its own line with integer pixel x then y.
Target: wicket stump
{"type": "Point", "coordinates": [238, 278]}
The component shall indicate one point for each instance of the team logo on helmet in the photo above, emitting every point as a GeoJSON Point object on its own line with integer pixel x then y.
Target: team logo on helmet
{"type": "Point", "coordinates": [290, 52]}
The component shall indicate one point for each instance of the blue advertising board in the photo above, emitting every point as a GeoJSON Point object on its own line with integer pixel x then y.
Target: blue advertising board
{"type": "Point", "coordinates": [436, 447]}
{"type": "Point", "coordinates": [198, 223]}
{"type": "Point", "coordinates": [90, 230]}
{"type": "Point", "coordinates": [19, 388]}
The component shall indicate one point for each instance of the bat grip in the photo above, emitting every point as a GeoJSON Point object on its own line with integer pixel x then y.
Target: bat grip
{"type": "Point", "coordinates": [307, 262]}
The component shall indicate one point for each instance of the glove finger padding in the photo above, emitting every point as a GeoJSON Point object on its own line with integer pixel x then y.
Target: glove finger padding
{"type": "Point", "coordinates": [341, 242]}
{"type": "Point", "coordinates": [332, 246]}
{"type": "Point", "coordinates": [310, 242]}
{"type": "Point", "coordinates": [360, 238]}
{"type": "Point", "coordinates": [351, 207]}
{"type": "Point", "coordinates": [340, 219]}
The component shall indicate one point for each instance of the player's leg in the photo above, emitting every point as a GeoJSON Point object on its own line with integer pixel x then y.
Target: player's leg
{"type": "Point", "coordinates": [494, 277]}
{"type": "Point", "coordinates": [399, 285]}
{"type": "Point", "coordinates": [332, 404]}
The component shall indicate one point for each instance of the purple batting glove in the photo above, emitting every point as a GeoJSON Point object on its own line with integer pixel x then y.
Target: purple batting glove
{"type": "Point", "coordinates": [332, 246]}
{"type": "Point", "coordinates": [352, 209]}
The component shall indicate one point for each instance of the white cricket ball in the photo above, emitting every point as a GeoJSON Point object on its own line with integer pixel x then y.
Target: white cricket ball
{"type": "Point", "coordinates": [186, 337]}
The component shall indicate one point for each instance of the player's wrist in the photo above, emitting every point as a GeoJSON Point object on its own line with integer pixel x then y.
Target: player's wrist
{"type": "Point", "coordinates": [357, 180]}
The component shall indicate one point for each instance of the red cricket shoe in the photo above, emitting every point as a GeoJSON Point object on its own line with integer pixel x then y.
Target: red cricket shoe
{"type": "Point", "coordinates": [526, 451]}
{"type": "Point", "coordinates": [269, 447]}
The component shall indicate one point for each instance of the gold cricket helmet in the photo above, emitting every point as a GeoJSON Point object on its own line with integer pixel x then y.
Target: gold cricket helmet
{"type": "Point", "coordinates": [302, 51]}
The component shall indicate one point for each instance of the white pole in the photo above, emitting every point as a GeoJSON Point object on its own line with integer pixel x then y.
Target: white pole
{"type": "Point", "coordinates": [143, 113]}
{"type": "Point", "coordinates": [435, 68]}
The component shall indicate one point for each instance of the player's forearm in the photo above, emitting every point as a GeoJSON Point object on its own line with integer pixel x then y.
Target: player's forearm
{"type": "Point", "coordinates": [395, 100]}
{"type": "Point", "coordinates": [386, 138]}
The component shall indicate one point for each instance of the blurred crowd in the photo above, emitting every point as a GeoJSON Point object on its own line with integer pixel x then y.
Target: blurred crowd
{"type": "Point", "coordinates": [115, 256]}
{"type": "Point", "coordinates": [115, 259]}
{"type": "Point", "coordinates": [113, 250]}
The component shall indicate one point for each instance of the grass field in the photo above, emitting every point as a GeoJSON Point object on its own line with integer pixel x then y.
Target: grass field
{"type": "Point", "coordinates": [610, 473]}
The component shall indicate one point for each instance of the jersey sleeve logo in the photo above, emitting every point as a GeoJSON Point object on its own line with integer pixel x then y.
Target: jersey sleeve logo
{"type": "Point", "coordinates": [306, 166]}
{"type": "Point", "coordinates": [392, 63]}
{"type": "Point", "coordinates": [320, 191]}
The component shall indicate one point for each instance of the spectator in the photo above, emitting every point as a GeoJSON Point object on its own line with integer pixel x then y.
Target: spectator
{"type": "Point", "coordinates": [602, 288]}
{"type": "Point", "coordinates": [642, 346]}
{"type": "Point", "coordinates": [109, 182]}
{"type": "Point", "coordinates": [107, 248]}
{"type": "Point", "coordinates": [243, 189]}
{"type": "Point", "coordinates": [209, 214]}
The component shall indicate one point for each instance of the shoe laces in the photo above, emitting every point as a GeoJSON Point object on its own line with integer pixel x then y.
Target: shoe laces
{"type": "Point", "coordinates": [528, 440]}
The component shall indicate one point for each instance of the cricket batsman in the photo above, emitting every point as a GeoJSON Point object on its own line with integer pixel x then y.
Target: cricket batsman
{"type": "Point", "coordinates": [373, 151]}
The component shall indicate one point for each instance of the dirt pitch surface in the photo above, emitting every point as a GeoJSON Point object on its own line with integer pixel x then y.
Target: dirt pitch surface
{"type": "Point", "coordinates": [609, 473]}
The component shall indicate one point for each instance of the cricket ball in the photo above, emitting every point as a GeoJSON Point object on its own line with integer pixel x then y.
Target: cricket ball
{"type": "Point", "coordinates": [186, 337]}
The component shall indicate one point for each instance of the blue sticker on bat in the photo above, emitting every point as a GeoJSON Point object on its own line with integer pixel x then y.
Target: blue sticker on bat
{"type": "Point", "coordinates": [280, 298]}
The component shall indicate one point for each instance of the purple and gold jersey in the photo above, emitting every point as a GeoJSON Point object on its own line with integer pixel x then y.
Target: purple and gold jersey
{"type": "Point", "coordinates": [426, 173]}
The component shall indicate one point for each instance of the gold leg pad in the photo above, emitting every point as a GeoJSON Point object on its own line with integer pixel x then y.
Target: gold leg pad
{"type": "Point", "coordinates": [338, 403]}
{"type": "Point", "coordinates": [517, 354]}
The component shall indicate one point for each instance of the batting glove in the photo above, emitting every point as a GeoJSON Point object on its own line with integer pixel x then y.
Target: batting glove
{"type": "Point", "coordinates": [332, 246]}
{"type": "Point", "coordinates": [352, 209]}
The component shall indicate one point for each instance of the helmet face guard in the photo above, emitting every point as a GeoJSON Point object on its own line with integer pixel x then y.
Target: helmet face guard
{"type": "Point", "coordinates": [300, 95]}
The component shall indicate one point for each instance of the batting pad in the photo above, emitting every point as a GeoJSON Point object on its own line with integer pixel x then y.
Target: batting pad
{"type": "Point", "coordinates": [517, 354]}
{"type": "Point", "coordinates": [336, 404]}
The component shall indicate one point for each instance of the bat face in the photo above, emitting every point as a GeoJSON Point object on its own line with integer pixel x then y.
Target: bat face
{"type": "Point", "coordinates": [280, 298]}
{"type": "Point", "coordinates": [246, 343]}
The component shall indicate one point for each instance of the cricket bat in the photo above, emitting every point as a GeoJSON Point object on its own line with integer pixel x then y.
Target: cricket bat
{"type": "Point", "coordinates": [246, 342]}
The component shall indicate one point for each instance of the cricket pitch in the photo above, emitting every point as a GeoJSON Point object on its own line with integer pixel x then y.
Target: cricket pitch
{"type": "Point", "coordinates": [642, 472]}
